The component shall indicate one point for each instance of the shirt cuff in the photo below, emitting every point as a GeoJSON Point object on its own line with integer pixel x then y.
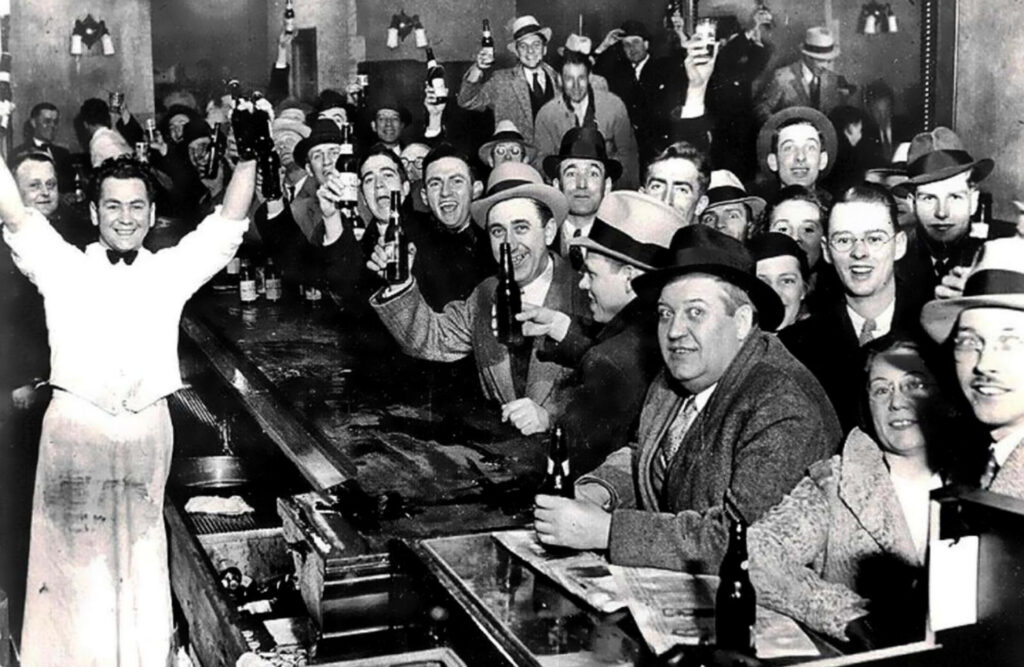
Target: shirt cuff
{"type": "Point", "coordinates": [391, 292]}
{"type": "Point", "coordinates": [692, 110]}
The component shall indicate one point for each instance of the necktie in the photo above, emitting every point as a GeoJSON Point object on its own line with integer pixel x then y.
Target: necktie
{"type": "Point", "coordinates": [538, 90]}
{"type": "Point", "coordinates": [991, 469]}
{"type": "Point", "coordinates": [128, 258]}
{"type": "Point", "coordinates": [816, 93]}
{"type": "Point", "coordinates": [673, 439]}
{"type": "Point", "coordinates": [867, 332]}
{"type": "Point", "coordinates": [887, 143]}
{"type": "Point", "coordinates": [636, 73]}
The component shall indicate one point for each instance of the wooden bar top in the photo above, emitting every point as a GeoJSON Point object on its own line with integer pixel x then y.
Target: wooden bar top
{"type": "Point", "coordinates": [335, 393]}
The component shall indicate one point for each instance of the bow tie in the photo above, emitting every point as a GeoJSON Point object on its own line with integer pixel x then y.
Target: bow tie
{"type": "Point", "coordinates": [128, 257]}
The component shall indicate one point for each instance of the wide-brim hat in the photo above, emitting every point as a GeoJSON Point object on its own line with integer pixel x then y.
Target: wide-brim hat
{"type": "Point", "coordinates": [996, 280]}
{"type": "Point", "coordinates": [725, 188]}
{"type": "Point", "coordinates": [701, 249]}
{"type": "Point", "coordinates": [511, 180]}
{"type": "Point", "coordinates": [632, 227]}
{"type": "Point", "coordinates": [820, 43]}
{"type": "Point", "coordinates": [506, 130]}
{"type": "Point", "coordinates": [524, 26]}
{"type": "Point", "coordinates": [586, 143]}
{"type": "Point", "coordinates": [819, 120]}
{"type": "Point", "coordinates": [635, 29]}
{"type": "Point", "coordinates": [938, 155]}
{"type": "Point", "coordinates": [578, 44]}
{"type": "Point", "coordinates": [291, 120]}
{"type": "Point", "coordinates": [324, 131]}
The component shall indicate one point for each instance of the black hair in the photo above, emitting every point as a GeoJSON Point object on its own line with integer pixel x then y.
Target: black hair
{"type": "Point", "coordinates": [686, 151]}
{"type": "Point", "coordinates": [383, 150]}
{"type": "Point", "coordinates": [878, 90]}
{"type": "Point", "coordinates": [868, 193]}
{"type": "Point", "coordinates": [95, 111]}
{"type": "Point", "coordinates": [571, 57]}
{"type": "Point", "coordinates": [121, 167]}
{"type": "Point", "coordinates": [443, 150]}
{"type": "Point", "coordinates": [41, 107]}
{"type": "Point", "coordinates": [792, 122]}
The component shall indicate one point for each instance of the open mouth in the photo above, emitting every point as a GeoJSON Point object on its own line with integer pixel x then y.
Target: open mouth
{"type": "Point", "coordinates": [861, 272]}
{"type": "Point", "coordinates": [519, 257]}
{"type": "Point", "coordinates": [448, 207]}
{"type": "Point", "coordinates": [902, 424]}
{"type": "Point", "coordinates": [988, 389]}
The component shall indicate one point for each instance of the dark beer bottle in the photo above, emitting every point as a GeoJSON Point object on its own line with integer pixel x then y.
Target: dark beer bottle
{"type": "Point", "coordinates": [556, 478]}
{"type": "Point", "coordinates": [289, 17]}
{"type": "Point", "coordinates": [508, 301]}
{"type": "Point", "coordinates": [216, 153]}
{"type": "Point", "coordinates": [435, 77]}
{"type": "Point", "coordinates": [735, 602]}
{"type": "Point", "coordinates": [396, 270]}
{"type": "Point", "coordinates": [348, 170]}
{"type": "Point", "coordinates": [487, 40]}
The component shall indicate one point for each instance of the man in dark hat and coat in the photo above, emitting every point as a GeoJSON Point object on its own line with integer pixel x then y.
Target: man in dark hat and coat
{"type": "Point", "coordinates": [732, 411]}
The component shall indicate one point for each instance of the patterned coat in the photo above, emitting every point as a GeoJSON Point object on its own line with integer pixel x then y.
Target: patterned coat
{"type": "Point", "coordinates": [838, 540]}
{"type": "Point", "coordinates": [507, 94]}
{"type": "Point", "coordinates": [764, 424]}
{"type": "Point", "coordinates": [787, 89]}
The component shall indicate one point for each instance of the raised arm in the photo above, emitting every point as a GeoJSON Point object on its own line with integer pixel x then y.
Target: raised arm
{"type": "Point", "coordinates": [12, 210]}
{"type": "Point", "coordinates": [238, 196]}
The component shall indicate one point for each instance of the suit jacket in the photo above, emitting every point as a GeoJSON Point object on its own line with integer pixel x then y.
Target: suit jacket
{"type": "Point", "coordinates": [606, 390]}
{"type": "Point", "coordinates": [556, 118]}
{"type": "Point", "coordinates": [1009, 480]}
{"type": "Point", "coordinates": [837, 543]}
{"type": "Point", "coordinates": [507, 94]}
{"type": "Point", "coordinates": [828, 346]}
{"type": "Point", "coordinates": [787, 89]}
{"type": "Point", "coordinates": [464, 328]}
{"type": "Point", "coordinates": [767, 420]}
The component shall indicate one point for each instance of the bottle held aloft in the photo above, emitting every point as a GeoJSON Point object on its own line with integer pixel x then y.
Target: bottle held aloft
{"type": "Point", "coordinates": [347, 167]}
{"type": "Point", "coordinates": [487, 40]}
{"type": "Point", "coordinates": [735, 601]}
{"type": "Point", "coordinates": [289, 17]}
{"type": "Point", "coordinates": [508, 300]}
{"type": "Point", "coordinates": [436, 78]}
{"type": "Point", "coordinates": [396, 248]}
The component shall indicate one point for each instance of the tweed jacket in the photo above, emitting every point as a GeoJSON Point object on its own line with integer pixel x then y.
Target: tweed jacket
{"type": "Point", "coordinates": [838, 540]}
{"type": "Point", "coordinates": [767, 420]}
{"type": "Point", "coordinates": [787, 89]}
{"type": "Point", "coordinates": [1009, 480]}
{"type": "Point", "coordinates": [556, 118]}
{"type": "Point", "coordinates": [507, 94]}
{"type": "Point", "coordinates": [464, 328]}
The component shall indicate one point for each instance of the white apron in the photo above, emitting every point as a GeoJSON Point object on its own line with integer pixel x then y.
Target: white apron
{"type": "Point", "coordinates": [98, 590]}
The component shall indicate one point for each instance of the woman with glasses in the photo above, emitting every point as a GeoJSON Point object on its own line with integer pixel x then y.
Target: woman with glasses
{"type": "Point", "coordinates": [844, 552]}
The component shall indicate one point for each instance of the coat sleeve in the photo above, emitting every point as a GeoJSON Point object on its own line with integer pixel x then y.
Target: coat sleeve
{"type": "Point", "coordinates": [476, 95]}
{"type": "Point", "coordinates": [784, 545]}
{"type": "Point", "coordinates": [770, 99]}
{"type": "Point", "coordinates": [426, 334]}
{"type": "Point", "coordinates": [782, 435]}
{"type": "Point", "coordinates": [625, 143]}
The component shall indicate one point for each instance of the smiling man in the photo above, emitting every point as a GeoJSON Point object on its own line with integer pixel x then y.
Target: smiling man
{"type": "Point", "coordinates": [797, 146]}
{"type": "Point", "coordinates": [112, 313]}
{"type": "Point", "coordinates": [521, 210]}
{"type": "Point", "coordinates": [732, 411]}
{"type": "Point", "coordinates": [862, 241]}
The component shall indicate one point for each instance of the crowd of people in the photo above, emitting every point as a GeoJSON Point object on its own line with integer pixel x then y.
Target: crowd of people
{"type": "Point", "coordinates": [782, 292]}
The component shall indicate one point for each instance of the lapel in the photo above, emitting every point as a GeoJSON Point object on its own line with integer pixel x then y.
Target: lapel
{"type": "Point", "coordinates": [491, 356]}
{"type": "Point", "coordinates": [865, 487]}
{"type": "Point", "coordinates": [799, 87]}
{"type": "Point", "coordinates": [541, 377]}
{"type": "Point", "coordinates": [664, 404]}
{"type": "Point", "coordinates": [521, 91]}
{"type": "Point", "coordinates": [1010, 478]}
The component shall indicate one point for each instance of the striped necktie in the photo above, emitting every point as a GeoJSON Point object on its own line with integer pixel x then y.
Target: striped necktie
{"type": "Point", "coordinates": [991, 469]}
{"type": "Point", "coordinates": [669, 445]}
{"type": "Point", "coordinates": [867, 332]}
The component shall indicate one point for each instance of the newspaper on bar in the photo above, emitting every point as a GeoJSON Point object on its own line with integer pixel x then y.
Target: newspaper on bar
{"type": "Point", "coordinates": [677, 608]}
{"type": "Point", "coordinates": [583, 574]}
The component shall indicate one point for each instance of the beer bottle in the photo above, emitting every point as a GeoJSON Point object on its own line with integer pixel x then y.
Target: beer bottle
{"type": "Point", "coordinates": [508, 301]}
{"type": "Point", "coordinates": [556, 478]}
{"type": "Point", "coordinates": [348, 170]}
{"type": "Point", "coordinates": [396, 271]}
{"type": "Point", "coordinates": [735, 602]}
{"type": "Point", "coordinates": [272, 281]}
{"type": "Point", "coordinates": [151, 131]}
{"type": "Point", "coordinates": [215, 153]}
{"type": "Point", "coordinates": [246, 283]}
{"type": "Point", "coordinates": [435, 77]}
{"type": "Point", "coordinates": [289, 17]}
{"type": "Point", "coordinates": [487, 40]}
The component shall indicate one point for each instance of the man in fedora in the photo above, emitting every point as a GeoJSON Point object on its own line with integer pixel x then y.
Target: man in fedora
{"type": "Point", "coordinates": [808, 82]}
{"type": "Point", "coordinates": [612, 370]}
{"type": "Point", "coordinates": [797, 146]}
{"type": "Point", "coordinates": [986, 327]}
{"type": "Point", "coordinates": [580, 105]}
{"type": "Point", "coordinates": [584, 173]}
{"type": "Point", "coordinates": [507, 144]}
{"type": "Point", "coordinates": [520, 209]}
{"type": "Point", "coordinates": [943, 181]}
{"type": "Point", "coordinates": [730, 209]}
{"type": "Point", "coordinates": [516, 93]}
{"type": "Point", "coordinates": [288, 129]}
{"type": "Point", "coordinates": [388, 122]}
{"type": "Point", "coordinates": [731, 411]}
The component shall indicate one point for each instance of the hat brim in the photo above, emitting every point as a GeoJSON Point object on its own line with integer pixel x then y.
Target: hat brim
{"type": "Point", "coordinates": [302, 148]}
{"type": "Point", "coordinates": [812, 116]}
{"type": "Point", "coordinates": [545, 194]}
{"type": "Point", "coordinates": [980, 170]}
{"type": "Point", "coordinates": [593, 246]}
{"type": "Point", "coordinates": [287, 125]}
{"type": "Point", "coordinates": [827, 55]}
{"type": "Point", "coordinates": [612, 168]}
{"type": "Point", "coordinates": [545, 32]}
{"type": "Point", "coordinates": [485, 149]}
{"type": "Point", "coordinates": [756, 204]}
{"type": "Point", "coordinates": [938, 317]}
{"type": "Point", "coordinates": [770, 310]}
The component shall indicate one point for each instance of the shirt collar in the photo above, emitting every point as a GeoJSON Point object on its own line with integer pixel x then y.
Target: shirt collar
{"type": "Point", "coordinates": [536, 291]}
{"type": "Point", "coordinates": [1002, 449]}
{"type": "Point", "coordinates": [883, 323]}
{"type": "Point", "coordinates": [569, 228]}
{"type": "Point", "coordinates": [96, 251]}
{"type": "Point", "coordinates": [639, 67]}
{"type": "Point", "coordinates": [808, 74]}
{"type": "Point", "coordinates": [702, 397]}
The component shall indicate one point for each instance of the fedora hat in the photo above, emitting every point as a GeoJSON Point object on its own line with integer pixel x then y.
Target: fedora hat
{"type": "Point", "coordinates": [510, 180]}
{"type": "Point", "coordinates": [726, 188]}
{"type": "Point", "coordinates": [938, 155]}
{"type": "Point", "coordinates": [291, 120]}
{"type": "Point", "coordinates": [820, 43]}
{"type": "Point", "coordinates": [819, 120]}
{"type": "Point", "coordinates": [774, 244]}
{"type": "Point", "coordinates": [524, 26]}
{"type": "Point", "coordinates": [506, 130]}
{"type": "Point", "coordinates": [324, 131]}
{"type": "Point", "coordinates": [577, 43]}
{"type": "Point", "coordinates": [584, 143]}
{"type": "Point", "coordinates": [632, 227]}
{"type": "Point", "coordinates": [897, 167]}
{"type": "Point", "coordinates": [996, 280]}
{"type": "Point", "coordinates": [701, 249]}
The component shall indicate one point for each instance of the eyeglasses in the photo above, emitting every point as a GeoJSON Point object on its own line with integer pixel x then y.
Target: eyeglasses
{"type": "Point", "coordinates": [912, 386]}
{"type": "Point", "coordinates": [418, 163]}
{"type": "Point", "coordinates": [514, 150]}
{"type": "Point", "coordinates": [843, 242]}
{"type": "Point", "coordinates": [966, 345]}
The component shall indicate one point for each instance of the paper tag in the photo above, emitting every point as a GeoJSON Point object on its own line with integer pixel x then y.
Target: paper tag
{"type": "Point", "coordinates": [953, 582]}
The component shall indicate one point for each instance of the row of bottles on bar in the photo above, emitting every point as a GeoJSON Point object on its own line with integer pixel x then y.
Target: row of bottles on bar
{"type": "Point", "coordinates": [255, 281]}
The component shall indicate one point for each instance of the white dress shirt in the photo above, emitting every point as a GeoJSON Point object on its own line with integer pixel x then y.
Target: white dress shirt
{"type": "Point", "coordinates": [883, 323]}
{"type": "Point", "coordinates": [569, 229]}
{"type": "Point", "coordinates": [536, 290]}
{"type": "Point", "coordinates": [914, 495]}
{"type": "Point", "coordinates": [639, 67]}
{"type": "Point", "coordinates": [113, 328]}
